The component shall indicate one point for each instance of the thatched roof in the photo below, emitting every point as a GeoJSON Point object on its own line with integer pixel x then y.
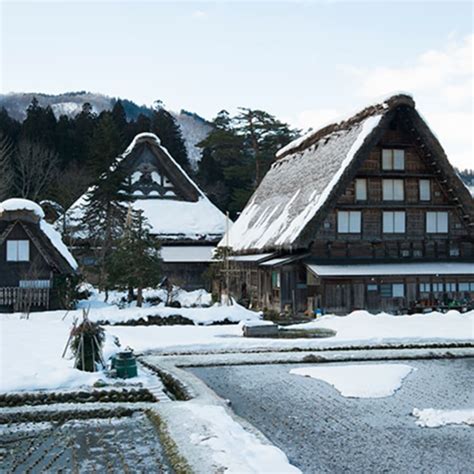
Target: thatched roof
{"type": "Point", "coordinates": [309, 174]}
{"type": "Point", "coordinates": [30, 216]}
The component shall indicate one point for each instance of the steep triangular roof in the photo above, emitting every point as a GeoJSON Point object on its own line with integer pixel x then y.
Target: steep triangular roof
{"type": "Point", "coordinates": [30, 216]}
{"type": "Point", "coordinates": [172, 203]}
{"type": "Point", "coordinates": [312, 171]}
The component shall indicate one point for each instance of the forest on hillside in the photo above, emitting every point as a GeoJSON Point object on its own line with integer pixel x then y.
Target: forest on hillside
{"type": "Point", "coordinates": [45, 157]}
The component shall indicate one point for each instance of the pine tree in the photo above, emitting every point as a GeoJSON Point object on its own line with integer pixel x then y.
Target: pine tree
{"type": "Point", "coordinates": [120, 119]}
{"type": "Point", "coordinates": [226, 170]}
{"type": "Point", "coordinates": [105, 145]}
{"type": "Point", "coordinates": [104, 216]}
{"type": "Point", "coordinates": [165, 126]}
{"type": "Point", "coordinates": [39, 125]}
{"type": "Point", "coordinates": [84, 126]}
{"type": "Point", "coordinates": [264, 135]}
{"type": "Point", "coordinates": [7, 174]}
{"type": "Point", "coordinates": [135, 262]}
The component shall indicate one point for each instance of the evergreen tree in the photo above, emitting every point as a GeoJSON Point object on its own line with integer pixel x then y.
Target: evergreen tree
{"type": "Point", "coordinates": [8, 126]}
{"type": "Point", "coordinates": [264, 135]}
{"type": "Point", "coordinates": [7, 174]}
{"type": "Point", "coordinates": [226, 170]}
{"type": "Point", "coordinates": [104, 216]}
{"type": "Point", "coordinates": [105, 145]}
{"type": "Point", "coordinates": [120, 119]}
{"type": "Point", "coordinates": [135, 262]}
{"type": "Point", "coordinates": [84, 126]}
{"type": "Point", "coordinates": [165, 126]}
{"type": "Point", "coordinates": [39, 125]}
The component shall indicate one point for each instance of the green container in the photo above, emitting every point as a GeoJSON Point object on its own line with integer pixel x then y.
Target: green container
{"type": "Point", "coordinates": [125, 364]}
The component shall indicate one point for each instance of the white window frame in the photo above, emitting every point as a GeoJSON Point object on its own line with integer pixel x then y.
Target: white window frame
{"type": "Point", "coordinates": [437, 222]}
{"type": "Point", "coordinates": [393, 190]}
{"type": "Point", "coordinates": [18, 250]}
{"type": "Point", "coordinates": [361, 189]}
{"type": "Point", "coordinates": [398, 290]}
{"type": "Point", "coordinates": [424, 187]}
{"type": "Point", "coordinates": [349, 222]}
{"type": "Point", "coordinates": [393, 222]}
{"type": "Point", "coordinates": [393, 159]}
{"type": "Point", "coordinates": [451, 287]}
{"type": "Point", "coordinates": [425, 287]}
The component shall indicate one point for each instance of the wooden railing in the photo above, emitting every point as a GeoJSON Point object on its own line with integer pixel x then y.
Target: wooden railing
{"type": "Point", "coordinates": [22, 299]}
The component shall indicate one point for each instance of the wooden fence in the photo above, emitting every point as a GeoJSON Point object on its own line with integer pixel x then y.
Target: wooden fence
{"type": "Point", "coordinates": [23, 299]}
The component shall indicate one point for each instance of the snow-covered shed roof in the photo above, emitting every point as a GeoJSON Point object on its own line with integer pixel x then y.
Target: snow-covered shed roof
{"type": "Point", "coordinates": [181, 212]}
{"type": "Point", "coordinates": [394, 269]}
{"type": "Point", "coordinates": [14, 209]}
{"type": "Point", "coordinates": [187, 253]}
{"type": "Point", "coordinates": [307, 176]}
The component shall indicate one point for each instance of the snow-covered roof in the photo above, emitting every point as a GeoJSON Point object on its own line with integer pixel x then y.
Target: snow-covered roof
{"type": "Point", "coordinates": [304, 181]}
{"type": "Point", "coordinates": [256, 257]}
{"type": "Point", "coordinates": [187, 253]}
{"type": "Point", "coordinates": [193, 218]}
{"type": "Point", "coordinates": [386, 269]}
{"type": "Point", "coordinates": [18, 204]}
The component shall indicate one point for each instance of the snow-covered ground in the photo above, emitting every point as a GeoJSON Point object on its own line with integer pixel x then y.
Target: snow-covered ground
{"type": "Point", "coordinates": [30, 353]}
{"type": "Point", "coordinates": [239, 450]}
{"type": "Point", "coordinates": [360, 380]}
{"type": "Point", "coordinates": [431, 418]}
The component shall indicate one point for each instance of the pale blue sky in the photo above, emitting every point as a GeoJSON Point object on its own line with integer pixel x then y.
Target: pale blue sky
{"type": "Point", "coordinates": [303, 61]}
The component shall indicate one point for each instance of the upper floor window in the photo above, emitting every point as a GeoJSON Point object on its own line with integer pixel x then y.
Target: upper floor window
{"type": "Point", "coordinates": [437, 222]}
{"type": "Point", "coordinates": [18, 250]}
{"type": "Point", "coordinates": [394, 222]}
{"type": "Point", "coordinates": [349, 222]}
{"type": "Point", "coordinates": [392, 189]}
{"type": "Point", "coordinates": [361, 189]}
{"type": "Point", "coordinates": [425, 190]}
{"type": "Point", "coordinates": [393, 159]}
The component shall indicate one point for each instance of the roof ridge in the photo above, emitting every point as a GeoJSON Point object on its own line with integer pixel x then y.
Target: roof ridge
{"type": "Point", "coordinates": [314, 136]}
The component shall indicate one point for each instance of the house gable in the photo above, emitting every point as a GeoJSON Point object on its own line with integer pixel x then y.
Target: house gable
{"type": "Point", "coordinates": [424, 159]}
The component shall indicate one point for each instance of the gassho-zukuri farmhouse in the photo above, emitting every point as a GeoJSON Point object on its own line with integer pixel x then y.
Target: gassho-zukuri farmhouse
{"type": "Point", "coordinates": [364, 213]}
{"type": "Point", "coordinates": [188, 225]}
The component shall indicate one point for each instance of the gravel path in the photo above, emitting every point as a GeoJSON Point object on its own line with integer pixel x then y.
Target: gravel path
{"type": "Point", "coordinates": [322, 431]}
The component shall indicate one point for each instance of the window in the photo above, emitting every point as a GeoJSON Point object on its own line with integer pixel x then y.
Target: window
{"type": "Point", "coordinates": [35, 284]}
{"type": "Point", "coordinates": [276, 279]}
{"type": "Point", "coordinates": [398, 290]}
{"type": "Point", "coordinates": [405, 253]}
{"type": "Point", "coordinates": [417, 253]}
{"type": "Point", "coordinates": [393, 159]}
{"type": "Point", "coordinates": [348, 222]}
{"type": "Point", "coordinates": [425, 287]}
{"type": "Point", "coordinates": [438, 287]}
{"type": "Point", "coordinates": [361, 189]}
{"type": "Point", "coordinates": [425, 190]}
{"type": "Point", "coordinates": [372, 287]}
{"type": "Point", "coordinates": [18, 250]}
{"type": "Point", "coordinates": [392, 290]}
{"type": "Point", "coordinates": [392, 190]}
{"type": "Point", "coordinates": [464, 286]}
{"type": "Point", "coordinates": [394, 222]}
{"type": "Point", "coordinates": [454, 251]}
{"type": "Point", "coordinates": [451, 287]}
{"type": "Point", "coordinates": [437, 222]}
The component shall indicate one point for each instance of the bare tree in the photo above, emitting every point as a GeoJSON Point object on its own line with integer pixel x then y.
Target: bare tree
{"type": "Point", "coordinates": [6, 167]}
{"type": "Point", "coordinates": [37, 167]}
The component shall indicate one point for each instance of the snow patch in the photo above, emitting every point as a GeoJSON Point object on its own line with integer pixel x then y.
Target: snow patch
{"type": "Point", "coordinates": [19, 204]}
{"type": "Point", "coordinates": [431, 418]}
{"type": "Point", "coordinates": [360, 380]}
{"type": "Point", "coordinates": [232, 446]}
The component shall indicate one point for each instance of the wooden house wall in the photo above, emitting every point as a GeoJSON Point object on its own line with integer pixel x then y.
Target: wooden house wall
{"type": "Point", "coordinates": [12, 272]}
{"type": "Point", "coordinates": [415, 242]}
